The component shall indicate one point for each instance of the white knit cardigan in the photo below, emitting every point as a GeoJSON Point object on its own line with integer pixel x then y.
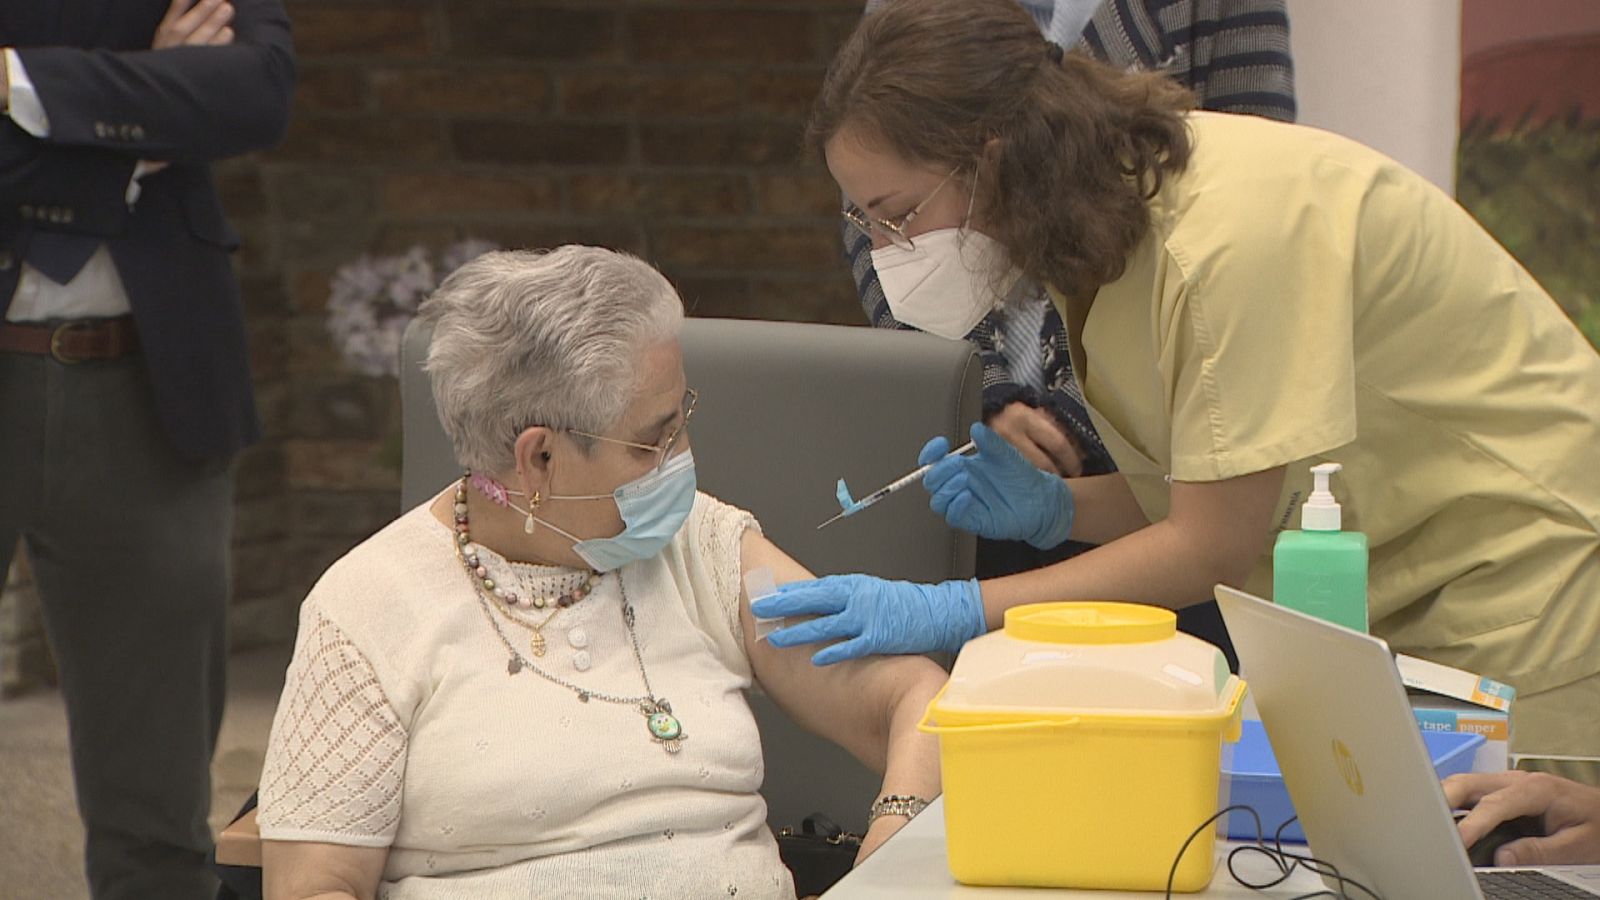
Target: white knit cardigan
{"type": "Point", "coordinates": [401, 726]}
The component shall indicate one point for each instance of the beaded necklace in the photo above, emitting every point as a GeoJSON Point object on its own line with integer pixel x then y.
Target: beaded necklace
{"type": "Point", "coordinates": [664, 727]}
{"type": "Point", "coordinates": [505, 597]}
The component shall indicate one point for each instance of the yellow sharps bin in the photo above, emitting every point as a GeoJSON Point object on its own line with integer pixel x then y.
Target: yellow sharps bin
{"type": "Point", "coordinates": [1080, 746]}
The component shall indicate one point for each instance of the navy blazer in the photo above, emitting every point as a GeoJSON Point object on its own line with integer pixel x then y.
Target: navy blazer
{"type": "Point", "coordinates": [111, 102]}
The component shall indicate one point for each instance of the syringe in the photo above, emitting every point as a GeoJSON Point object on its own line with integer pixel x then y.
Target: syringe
{"type": "Point", "coordinates": [851, 507]}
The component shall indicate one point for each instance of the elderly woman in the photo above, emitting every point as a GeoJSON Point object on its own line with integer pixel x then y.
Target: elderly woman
{"type": "Point", "coordinates": [533, 684]}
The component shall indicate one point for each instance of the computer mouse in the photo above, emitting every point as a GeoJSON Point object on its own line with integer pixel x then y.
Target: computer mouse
{"type": "Point", "coordinates": [1482, 853]}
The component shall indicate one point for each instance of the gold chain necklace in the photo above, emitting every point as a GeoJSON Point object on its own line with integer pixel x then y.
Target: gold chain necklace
{"type": "Point", "coordinates": [503, 596]}
{"type": "Point", "coordinates": [665, 728]}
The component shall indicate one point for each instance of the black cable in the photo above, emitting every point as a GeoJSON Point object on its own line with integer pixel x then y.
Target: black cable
{"type": "Point", "coordinates": [1282, 859]}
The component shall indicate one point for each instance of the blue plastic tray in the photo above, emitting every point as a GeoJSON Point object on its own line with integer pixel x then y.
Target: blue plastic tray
{"type": "Point", "coordinates": [1255, 780]}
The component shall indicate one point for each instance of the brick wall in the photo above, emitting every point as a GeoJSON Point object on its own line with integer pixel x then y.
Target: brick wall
{"type": "Point", "coordinates": [670, 128]}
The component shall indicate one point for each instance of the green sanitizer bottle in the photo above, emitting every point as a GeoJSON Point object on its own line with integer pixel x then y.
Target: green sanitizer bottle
{"type": "Point", "coordinates": [1321, 570]}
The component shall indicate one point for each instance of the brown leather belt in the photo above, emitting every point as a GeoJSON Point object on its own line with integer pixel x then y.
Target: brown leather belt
{"type": "Point", "coordinates": [72, 341]}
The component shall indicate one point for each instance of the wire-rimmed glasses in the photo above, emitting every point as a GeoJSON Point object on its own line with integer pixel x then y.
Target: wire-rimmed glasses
{"type": "Point", "coordinates": [690, 398]}
{"type": "Point", "coordinates": [893, 230]}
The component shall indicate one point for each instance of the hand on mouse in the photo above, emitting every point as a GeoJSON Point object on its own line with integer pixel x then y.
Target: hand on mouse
{"type": "Point", "coordinates": [1571, 814]}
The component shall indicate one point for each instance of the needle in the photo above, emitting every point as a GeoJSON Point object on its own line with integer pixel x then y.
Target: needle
{"type": "Point", "coordinates": [851, 507]}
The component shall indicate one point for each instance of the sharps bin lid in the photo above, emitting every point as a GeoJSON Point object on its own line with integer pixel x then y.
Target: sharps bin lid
{"type": "Point", "coordinates": [1097, 658]}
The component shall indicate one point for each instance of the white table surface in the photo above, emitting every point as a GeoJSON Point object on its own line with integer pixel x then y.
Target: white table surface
{"type": "Point", "coordinates": [912, 865]}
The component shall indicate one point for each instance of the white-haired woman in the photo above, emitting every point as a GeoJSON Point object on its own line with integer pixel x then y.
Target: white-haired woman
{"type": "Point", "coordinates": [532, 685]}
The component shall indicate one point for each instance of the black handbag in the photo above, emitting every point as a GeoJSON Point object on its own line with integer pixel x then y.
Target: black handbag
{"type": "Point", "coordinates": [818, 855]}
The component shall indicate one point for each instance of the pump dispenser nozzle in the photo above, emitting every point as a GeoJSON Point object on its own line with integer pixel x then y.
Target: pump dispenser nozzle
{"type": "Point", "coordinates": [1322, 569]}
{"type": "Point", "coordinates": [1321, 512]}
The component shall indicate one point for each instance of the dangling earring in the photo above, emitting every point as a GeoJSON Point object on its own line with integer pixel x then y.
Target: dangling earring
{"type": "Point", "coordinates": [533, 504]}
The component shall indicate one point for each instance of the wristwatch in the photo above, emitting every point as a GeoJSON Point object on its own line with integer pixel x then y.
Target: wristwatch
{"type": "Point", "coordinates": [896, 805]}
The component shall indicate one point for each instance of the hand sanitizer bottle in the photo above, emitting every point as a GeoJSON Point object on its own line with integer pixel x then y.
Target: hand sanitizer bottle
{"type": "Point", "coordinates": [1321, 570]}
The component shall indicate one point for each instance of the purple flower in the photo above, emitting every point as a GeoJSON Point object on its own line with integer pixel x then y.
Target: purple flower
{"type": "Point", "coordinates": [372, 300]}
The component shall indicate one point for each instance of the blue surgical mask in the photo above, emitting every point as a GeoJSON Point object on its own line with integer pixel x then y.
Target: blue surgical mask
{"type": "Point", "coordinates": [653, 507]}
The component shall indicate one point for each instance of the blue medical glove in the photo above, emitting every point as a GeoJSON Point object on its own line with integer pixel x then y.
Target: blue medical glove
{"type": "Point", "coordinates": [870, 615]}
{"type": "Point", "coordinates": [996, 493]}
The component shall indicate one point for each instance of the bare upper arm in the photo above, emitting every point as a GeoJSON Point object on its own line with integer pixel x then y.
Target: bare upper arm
{"type": "Point", "coordinates": [849, 703]}
{"type": "Point", "coordinates": [297, 870]}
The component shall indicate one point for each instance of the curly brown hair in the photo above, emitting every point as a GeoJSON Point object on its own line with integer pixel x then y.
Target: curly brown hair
{"type": "Point", "coordinates": [1072, 149]}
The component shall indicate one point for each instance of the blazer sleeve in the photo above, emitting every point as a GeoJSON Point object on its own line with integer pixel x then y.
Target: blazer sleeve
{"type": "Point", "coordinates": [181, 104]}
{"type": "Point", "coordinates": [92, 182]}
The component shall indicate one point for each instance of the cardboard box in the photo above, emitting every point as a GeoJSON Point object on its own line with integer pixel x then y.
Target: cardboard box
{"type": "Point", "coordinates": [1448, 699]}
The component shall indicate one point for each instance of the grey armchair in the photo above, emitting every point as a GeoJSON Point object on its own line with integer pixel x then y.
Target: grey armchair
{"type": "Point", "coordinates": [785, 410]}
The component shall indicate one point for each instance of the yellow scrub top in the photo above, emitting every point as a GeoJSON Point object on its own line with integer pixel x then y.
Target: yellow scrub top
{"type": "Point", "coordinates": [1301, 298]}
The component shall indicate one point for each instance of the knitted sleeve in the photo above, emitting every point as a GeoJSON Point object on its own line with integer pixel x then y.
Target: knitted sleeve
{"type": "Point", "coordinates": [1239, 59]}
{"type": "Point", "coordinates": [1234, 54]}
{"type": "Point", "coordinates": [335, 762]}
{"type": "Point", "coordinates": [720, 528]}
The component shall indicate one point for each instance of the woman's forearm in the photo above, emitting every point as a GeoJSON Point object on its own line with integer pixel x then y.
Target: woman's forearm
{"type": "Point", "coordinates": [309, 870]}
{"type": "Point", "coordinates": [1214, 532]}
{"type": "Point", "coordinates": [1103, 509]}
{"type": "Point", "coordinates": [912, 757]}
{"type": "Point", "coordinates": [319, 895]}
{"type": "Point", "coordinates": [1158, 564]}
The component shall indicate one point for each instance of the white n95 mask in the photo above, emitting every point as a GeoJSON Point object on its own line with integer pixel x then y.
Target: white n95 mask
{"type": "Point", "coordinates": [945, 284]}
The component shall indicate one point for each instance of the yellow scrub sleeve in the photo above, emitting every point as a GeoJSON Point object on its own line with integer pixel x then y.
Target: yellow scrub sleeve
{"type": "Point", "coordinates": [1302, 298]}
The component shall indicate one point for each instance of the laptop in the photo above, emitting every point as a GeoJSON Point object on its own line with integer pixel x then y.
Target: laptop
{"type": "Point", "coordinates": [1355, 765]}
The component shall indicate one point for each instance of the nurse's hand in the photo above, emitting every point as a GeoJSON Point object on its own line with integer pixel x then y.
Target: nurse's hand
{"type": "Point", "coordinates": [996, 493]}
{"type": "Point", "coordinates": [871, 616]}
{"type": "Point", "coordinates": [1040, 437]}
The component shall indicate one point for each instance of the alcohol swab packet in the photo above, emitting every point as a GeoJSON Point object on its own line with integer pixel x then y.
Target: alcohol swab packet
{"type": "Point", "coordinates": [759, 583]}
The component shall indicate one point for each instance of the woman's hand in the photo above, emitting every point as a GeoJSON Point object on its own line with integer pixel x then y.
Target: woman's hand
{"type": "Point", "coordinates": [873, 616]}
{"type": "Point", "coordinates": [1039, 437]}
{"type": "Point", "coordinates": [996, 493]}
{"type": "Point", "coordinates": [1571, 813]}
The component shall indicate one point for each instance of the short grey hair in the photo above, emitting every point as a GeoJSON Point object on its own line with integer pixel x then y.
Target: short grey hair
{"type": "Point", "coordinates": [523, 338]}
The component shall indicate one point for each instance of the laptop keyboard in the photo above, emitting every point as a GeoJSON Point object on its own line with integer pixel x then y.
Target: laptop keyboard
{"type": "Point", "coordinates": [1528, 885]}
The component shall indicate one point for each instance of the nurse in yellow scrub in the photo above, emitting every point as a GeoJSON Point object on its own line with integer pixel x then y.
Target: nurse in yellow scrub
{"type": "Point", "coordinates": [1245, 298]}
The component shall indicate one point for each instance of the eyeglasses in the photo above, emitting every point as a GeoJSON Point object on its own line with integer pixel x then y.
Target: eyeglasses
{"type": "Point", "coordinates": [690, 399]}
{"type": "Point", "coordinates": [892, 229]}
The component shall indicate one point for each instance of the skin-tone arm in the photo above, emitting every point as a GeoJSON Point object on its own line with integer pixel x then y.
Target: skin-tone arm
{"type": "Point", "coordinates": [870, 707]}
{"type": "Point", "coordinates": [1104, 509]}
{"type": "Point", "coordinates": [306, 870]}
{"type": "Point", "coordinates": [1215, 532]}
{"type": "Point", "coordinates": [1571, 814]}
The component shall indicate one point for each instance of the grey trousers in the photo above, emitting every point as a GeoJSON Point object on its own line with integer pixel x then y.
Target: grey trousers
{"type": "Point", "coordinates": [129, 545]}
